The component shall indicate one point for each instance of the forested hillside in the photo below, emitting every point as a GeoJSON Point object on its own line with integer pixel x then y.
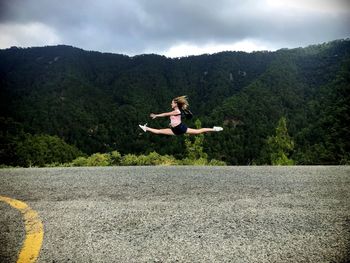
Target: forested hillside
{"type": "Point", "coordinates": [88, 102]}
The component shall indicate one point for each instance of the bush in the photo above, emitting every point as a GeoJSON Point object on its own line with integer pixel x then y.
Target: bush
{"type": "Point", "coordinates": [98, 159]}
{"type": "Point", "coordinates": [55, 164]}
{"type": "Point", "coordinates": [115, 158]}
{"type": "Point", "coordinates": [39, 150]}
{"type": "Point", "coordinates": [281, 158]}
{"type": "Point", "coordinates": [4, 166]}
{"type": "Point", "coordinates": [80, 161]}
{"type": "Point", "coordinates": [215, 162]}
{"type": "Point", "coordinates": [129, 159]}
{"type": "Point", "coordinates": [152, 158]}
{"type": "Point", "coordinates": [167, 160]}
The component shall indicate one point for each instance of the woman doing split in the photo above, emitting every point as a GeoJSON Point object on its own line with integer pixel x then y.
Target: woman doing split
{"type": "Point", "coordinates": [179, 105]}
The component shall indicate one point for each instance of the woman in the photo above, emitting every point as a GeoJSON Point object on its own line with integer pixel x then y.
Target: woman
{"type": "Point", "coordinates": [176, 126]}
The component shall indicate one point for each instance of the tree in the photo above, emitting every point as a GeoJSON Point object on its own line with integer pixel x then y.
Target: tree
{"type": "Point", "coordinates": [95, 101]}
{"type": "Point", "coordinates": [281, 144]}
{"type": "Point", "coordinates": [40, 150]}
{"type": "Point", "coordinates": [194, 148]}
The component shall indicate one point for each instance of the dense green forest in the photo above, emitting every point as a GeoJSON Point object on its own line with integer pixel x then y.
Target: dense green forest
{"type": "Point", "coordinates": [61, 102]}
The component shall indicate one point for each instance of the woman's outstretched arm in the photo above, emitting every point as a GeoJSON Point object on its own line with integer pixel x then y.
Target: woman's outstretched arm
{"type": "Point", "coordinates": [165, 114]}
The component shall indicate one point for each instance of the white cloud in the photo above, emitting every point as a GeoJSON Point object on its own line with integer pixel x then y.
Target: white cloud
{"type": "Point", "coordinates": [323, 6]}
{"type": "Point", "coordinates": [246, 45]}
{"type": "Point", "coordinates": [173, 28]}
{"type": "Point", "coordinates": [27, 35]}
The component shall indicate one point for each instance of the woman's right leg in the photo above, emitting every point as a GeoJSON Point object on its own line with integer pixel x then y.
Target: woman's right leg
{"type": "Point", "coordinates": [203, 130]}
{"type": "Point", "coordinates": [199, 131]}
{"type": "Point", "coordinates": [160, 131]}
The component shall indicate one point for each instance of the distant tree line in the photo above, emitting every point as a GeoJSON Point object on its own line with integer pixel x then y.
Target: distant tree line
{"type": "Point", "coordinates": [60, 103]}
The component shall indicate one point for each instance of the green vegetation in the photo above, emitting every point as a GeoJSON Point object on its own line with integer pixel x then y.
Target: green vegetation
{"type": "Point", "coordinates": [39, 150]}
{"type": "Point", "coordinates": [64, 105]}
{"type": "Point", "coordinates": [280, 145]}
{"type": "Point", "coordinates": [194, 144]}
{"type": "Point", "coordinates": [116, 159]}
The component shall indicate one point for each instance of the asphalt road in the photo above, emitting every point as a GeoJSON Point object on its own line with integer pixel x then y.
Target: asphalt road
{"type": "Point", "coordinates": [181, 214]}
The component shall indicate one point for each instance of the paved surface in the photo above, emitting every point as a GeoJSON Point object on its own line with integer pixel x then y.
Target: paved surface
{"type": "Point", "coordinates": [182, 214]}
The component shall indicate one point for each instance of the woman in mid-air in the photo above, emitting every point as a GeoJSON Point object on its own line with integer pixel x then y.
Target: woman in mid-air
{"type": "Point", "coordinates": [179, 105]}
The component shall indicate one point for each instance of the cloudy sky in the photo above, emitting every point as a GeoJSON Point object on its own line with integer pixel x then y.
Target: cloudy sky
{"type": "Point", "coordinates": [173, 28]}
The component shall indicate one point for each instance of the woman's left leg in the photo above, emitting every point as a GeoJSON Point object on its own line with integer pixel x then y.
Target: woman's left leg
{"type": "Point", "coordinates": [199, 131]}
{"type": "Point", "coordinates": [160, 131]}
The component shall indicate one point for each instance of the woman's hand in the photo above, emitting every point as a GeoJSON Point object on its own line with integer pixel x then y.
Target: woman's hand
{"type": "Point", "coordinates": [153, 116]}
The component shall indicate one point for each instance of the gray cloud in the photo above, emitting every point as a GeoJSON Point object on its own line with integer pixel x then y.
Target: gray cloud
{"type": "Point", "coordinates": [138, 26]}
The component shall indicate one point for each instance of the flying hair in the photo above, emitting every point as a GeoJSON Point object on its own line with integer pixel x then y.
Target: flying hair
{"type": "Point", "coordinates": [182, 102]}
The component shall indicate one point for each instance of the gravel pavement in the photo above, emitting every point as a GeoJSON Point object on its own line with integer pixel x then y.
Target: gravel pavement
{"type": "Point", "coordinates": [181, 214]}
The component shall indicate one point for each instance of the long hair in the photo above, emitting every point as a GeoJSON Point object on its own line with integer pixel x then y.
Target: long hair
{"type": "Point", "coordinates": [182, 102]}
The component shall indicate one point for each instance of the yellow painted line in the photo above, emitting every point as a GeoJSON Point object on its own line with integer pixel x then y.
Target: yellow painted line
{"type": "Point", "coordinates": [34, 231]}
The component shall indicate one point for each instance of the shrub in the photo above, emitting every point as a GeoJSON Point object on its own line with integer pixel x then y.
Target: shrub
{"type": "Point", "coordinates": [98, 159]}
{"type": "Point", "coordinates": [39, 150]}
{"type": "Point", "coordinates": [215, 162]}
{"type": "Point", "coordinates": [167, 160]}
{"type": "Point", "coordinates": [129, 159]}
{"type": "Point", "coordinates": [80, 161]}
{"type": "Point", "coordinates": [115, 158]}
{"type": "Point", "coordinates": [56, 164]}
{"type": "Point", "coordinates": [154, 158]}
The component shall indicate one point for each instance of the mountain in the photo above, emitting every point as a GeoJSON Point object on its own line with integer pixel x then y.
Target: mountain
{"type": "Point", "coordinates": [94, 101]}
